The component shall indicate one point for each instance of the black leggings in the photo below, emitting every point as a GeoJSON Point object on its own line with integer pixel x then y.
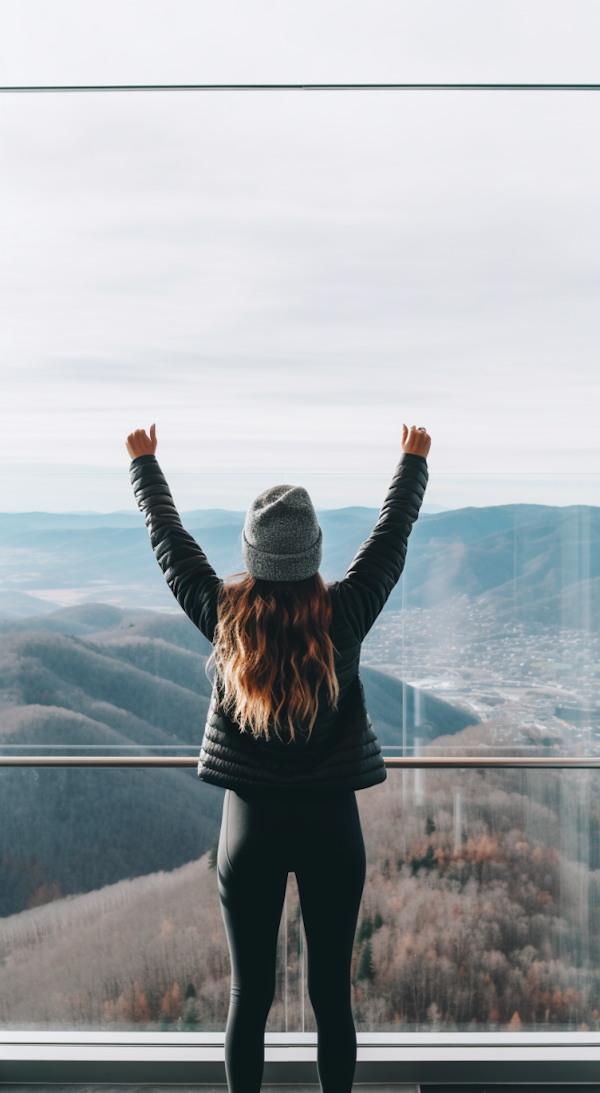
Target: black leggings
{"type": "Point", "coordinates": [261, 842]}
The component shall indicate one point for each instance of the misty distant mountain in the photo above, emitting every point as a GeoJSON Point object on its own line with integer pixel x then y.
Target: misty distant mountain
{"type": "Point", "coordinates": [534, 562]}
{"type": "Point", "coordinates": [95, 676]}
{"type": "Point", "coordinates": [194, 519]}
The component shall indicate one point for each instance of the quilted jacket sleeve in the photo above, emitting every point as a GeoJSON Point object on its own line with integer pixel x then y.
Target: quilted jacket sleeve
{"type": "Point", "coordinates": [189, 575]}
{"type": "Point", "coordinates": [378, 565]}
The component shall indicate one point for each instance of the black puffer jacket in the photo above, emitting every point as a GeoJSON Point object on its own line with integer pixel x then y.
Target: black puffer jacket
{"type": "Point", "coordinates": [342, 751]}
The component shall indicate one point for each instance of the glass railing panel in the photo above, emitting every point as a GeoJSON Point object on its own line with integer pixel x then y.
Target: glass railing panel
{"type": "Point", "coordinates": [459, 234]}
{"type": "Point", "coordinates": [83, 951]}
{"type": "Point", "coordinates": [478, 913]}
{"type": "Point", "coordinates": [480, 903]}
{"type": "Point", "coordinates": [109, 915]}
{"type": "Point", "coordinates": [479, 907]}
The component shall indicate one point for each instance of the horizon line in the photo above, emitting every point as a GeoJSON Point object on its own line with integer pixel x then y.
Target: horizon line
{"type": "Point", "coordinates": [434, 508]}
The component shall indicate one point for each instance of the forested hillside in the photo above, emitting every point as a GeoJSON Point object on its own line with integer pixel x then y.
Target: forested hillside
{"type": "Point", "coordinates": [65, 831]}
{"type": "Point", "coordinates": [98, 678]}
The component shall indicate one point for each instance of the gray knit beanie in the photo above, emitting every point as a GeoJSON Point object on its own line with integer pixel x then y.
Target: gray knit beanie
{"type": "Point", "coordinates": [282, 540]}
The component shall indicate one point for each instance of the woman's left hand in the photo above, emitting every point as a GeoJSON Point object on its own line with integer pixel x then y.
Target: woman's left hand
{"type": "Point", "coordinates": [139, 443]}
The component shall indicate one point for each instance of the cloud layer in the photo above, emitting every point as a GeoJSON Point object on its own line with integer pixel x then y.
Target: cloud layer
{"type": "Point", "coordinates": [281, 279]}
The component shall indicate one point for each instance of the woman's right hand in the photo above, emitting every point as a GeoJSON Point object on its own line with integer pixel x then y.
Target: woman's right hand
{"type": "Point", "coordinates": [139, 443]}
{"type": "Point", "coordinates": [417, 441]}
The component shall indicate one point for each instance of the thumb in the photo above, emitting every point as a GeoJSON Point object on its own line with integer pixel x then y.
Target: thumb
{"type": "Point", "coordinates": [153, 433]}
{"type": "Point", "coordinates": [404, 433]}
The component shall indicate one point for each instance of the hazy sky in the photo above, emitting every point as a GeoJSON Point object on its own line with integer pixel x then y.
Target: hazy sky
{"type": "Point", "coordinates": [279, 279]}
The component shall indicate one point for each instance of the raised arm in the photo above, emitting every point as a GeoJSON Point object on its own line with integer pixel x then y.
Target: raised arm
{"type": "Point", "coordinates": [189, 575]}
{"type": "Point", "coordinates": [379, 562]}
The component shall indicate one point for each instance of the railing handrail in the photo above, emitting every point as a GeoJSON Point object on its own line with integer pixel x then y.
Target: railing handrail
{"type": "Point", "coordinates": [306, 87]}
{"type": "Point", "coordinates": [420, 762]}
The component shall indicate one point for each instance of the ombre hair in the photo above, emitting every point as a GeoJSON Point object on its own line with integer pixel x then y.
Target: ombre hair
{"type": "Point", "coordinates": [273, 654]}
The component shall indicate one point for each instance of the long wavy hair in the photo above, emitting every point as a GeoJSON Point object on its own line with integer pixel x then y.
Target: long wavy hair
{"type": "Point", "coordinates": [273, 654]}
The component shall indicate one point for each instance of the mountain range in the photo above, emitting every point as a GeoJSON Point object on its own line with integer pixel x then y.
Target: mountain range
{"type": "Point", "coordinates": [536, 563]}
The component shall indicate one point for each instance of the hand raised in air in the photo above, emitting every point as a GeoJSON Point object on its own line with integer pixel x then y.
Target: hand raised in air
{"type": "Point", "coordinates": [417, 441]}
{"type": "Point", "coordinates": [139, 443]}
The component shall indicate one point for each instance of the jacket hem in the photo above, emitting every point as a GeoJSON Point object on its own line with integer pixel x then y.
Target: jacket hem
{"type": "Point", "coordinates": [284, 790]}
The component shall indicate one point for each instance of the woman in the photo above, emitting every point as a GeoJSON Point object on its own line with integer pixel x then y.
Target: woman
{"type": "Point", "coordinates": [288, 736]}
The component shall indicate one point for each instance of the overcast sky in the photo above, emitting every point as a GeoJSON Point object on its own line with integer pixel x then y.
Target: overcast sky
{"type": "Point", "coordinates": [279, 279]}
